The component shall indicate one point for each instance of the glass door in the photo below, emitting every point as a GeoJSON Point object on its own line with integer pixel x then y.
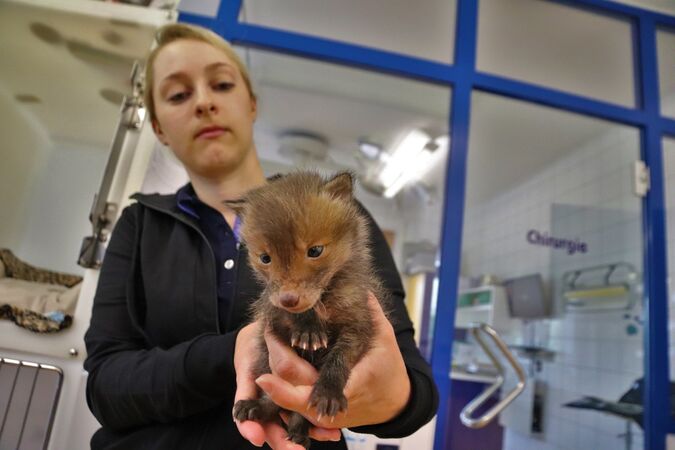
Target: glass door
{"type": "Point", "coordinates": [552, 259]}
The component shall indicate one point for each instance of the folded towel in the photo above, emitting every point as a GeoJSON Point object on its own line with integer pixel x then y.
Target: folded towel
{"type": "Point", "coordinates": [39, 307]}
{"type": "Point", "coordinates": [37, 299]}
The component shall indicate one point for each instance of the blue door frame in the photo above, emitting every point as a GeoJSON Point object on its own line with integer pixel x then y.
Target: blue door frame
{"type": "Point", "coordinates": [463, 78]}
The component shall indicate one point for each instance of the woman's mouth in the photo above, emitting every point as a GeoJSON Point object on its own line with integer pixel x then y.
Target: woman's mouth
{"type": "Point", "coordinates": [210, 132]}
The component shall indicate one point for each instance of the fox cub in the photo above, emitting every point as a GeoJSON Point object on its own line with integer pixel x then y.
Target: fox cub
{"type": "Point", "coordinates": [308, 243]}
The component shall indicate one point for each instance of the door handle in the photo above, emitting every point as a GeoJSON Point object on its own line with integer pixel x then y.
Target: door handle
{"type": "Point", "coordinates": [488, 416]}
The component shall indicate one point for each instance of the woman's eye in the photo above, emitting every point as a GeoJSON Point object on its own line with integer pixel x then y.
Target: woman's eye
{"type": "Point", "coordinates": [265, 258]}
{"type": "Point", "coordinates": [315, 252]}
{"type": "Point", "coordinates": [224, 86]}
{"type": "Point", "coordinates": [178, 97]}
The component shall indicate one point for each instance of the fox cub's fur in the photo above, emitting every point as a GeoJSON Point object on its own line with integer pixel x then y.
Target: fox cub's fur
{"type": "Point", "coordinates": [308, 243]}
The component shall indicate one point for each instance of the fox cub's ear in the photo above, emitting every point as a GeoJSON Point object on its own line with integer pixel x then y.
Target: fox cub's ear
{"type": "Point", "coordinates": [238, 206]}
{"type": "Point", "coordinates": [340, 186]}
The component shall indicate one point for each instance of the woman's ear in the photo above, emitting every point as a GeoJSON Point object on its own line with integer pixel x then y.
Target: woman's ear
{"type": "Point", "coordinates": [254, 107]}
{"type": "Point", "coordinates": [158, 132]}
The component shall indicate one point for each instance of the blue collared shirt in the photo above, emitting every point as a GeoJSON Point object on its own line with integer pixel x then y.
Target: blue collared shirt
{"type": "Point", "coordinates": [223, 242]}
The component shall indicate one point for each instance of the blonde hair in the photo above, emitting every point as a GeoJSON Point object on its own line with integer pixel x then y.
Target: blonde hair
{"type": "Point", "coordinates": [177, 31]}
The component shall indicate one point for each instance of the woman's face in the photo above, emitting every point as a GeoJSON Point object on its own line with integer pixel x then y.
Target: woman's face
{"type": "Point", "coordinates": [204, 110]}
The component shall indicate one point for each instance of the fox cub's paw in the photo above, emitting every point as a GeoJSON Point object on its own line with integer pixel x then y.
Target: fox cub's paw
{"type": "Point", "coordinates": [313, 340]}
{"type": "Point", "coordinates": [299, 438]}
{"type": "Point", "coordinates": [259, 410]}
{"type": "Point", "coordinates": [298, 429]}
{"type": "Point", "coordinates": [328, 400]}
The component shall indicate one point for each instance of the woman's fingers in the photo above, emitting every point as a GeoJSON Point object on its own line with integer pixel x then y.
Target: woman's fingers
{"type": "Point", "coordinates": [325, 434]}
{"type": "Point", "coordinates": [283, 393]}
{"type": "Point", "coordinates": [285, 363]}
{"type": "Point", "coordinates": [252, 432]}
{"type": "Point", "coordinates": [296, 398]}
{"type": "Point", "coordinates": [278, 439]}
{"type": "Point", "coordinates": [290, 370]}
{"type": "Point", "coordinates": [244, 359]}
{"type": "Point", "coordinates": [318, 433]}
{"type": "Point", "coordinates": [246, 387]}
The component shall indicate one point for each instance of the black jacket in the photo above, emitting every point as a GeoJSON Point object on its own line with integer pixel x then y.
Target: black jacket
{"type": "Point", "coordinates": [161, 372]}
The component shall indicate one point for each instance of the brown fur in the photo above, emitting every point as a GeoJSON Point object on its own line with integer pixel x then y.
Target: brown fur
{"type": "Point", "coordinates": [328, 321]}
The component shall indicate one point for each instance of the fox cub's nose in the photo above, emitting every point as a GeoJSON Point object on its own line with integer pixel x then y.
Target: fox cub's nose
{"type": "Point", "coordinates": [289, 300]}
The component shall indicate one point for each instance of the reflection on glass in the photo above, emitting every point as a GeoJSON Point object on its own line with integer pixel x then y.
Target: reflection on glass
{"type": "Point", "coordinates": [665, 40]}
{"type": "Point", "coordinates": [557, 46]}
{"type": "Point", "coordinates": [552, 258]}
{"type": "Point", "coordinates": [426, 30]}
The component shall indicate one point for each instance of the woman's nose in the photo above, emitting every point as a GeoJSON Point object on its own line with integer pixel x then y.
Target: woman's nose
{"type": "Point", "coordinates": [204, 104]}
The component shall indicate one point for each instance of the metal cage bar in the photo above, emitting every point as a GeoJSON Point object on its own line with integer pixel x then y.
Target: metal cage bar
{"type": "Point", "coordinates": [29, 393]}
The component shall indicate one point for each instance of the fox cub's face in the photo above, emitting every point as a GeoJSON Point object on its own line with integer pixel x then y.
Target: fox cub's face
{"type": "Point", "coordinates": [300, 231]}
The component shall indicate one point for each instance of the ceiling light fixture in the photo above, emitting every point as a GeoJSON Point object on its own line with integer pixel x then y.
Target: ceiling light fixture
{"type": "Point", "coordinates": [409, 160]}
{"type": "Point", "coordinates": [370, 151]}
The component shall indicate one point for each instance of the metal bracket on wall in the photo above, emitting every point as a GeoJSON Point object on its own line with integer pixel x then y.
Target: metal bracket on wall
{"type": "Point", "coordinates": [103, 211]}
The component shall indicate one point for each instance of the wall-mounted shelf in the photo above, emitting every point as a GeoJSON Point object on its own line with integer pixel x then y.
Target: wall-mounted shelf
{"type": "Point", "coordinates": [600, 288]}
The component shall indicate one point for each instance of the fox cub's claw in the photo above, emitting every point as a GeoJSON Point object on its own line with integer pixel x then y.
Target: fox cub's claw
{"type": "Point", "coordinates": [328, 401]}
{"type": "Point", "coordinates": [309, 341]}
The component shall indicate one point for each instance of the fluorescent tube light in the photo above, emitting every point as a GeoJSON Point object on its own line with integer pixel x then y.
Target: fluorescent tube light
{"type": "Point", "coordinates": [403, 157]}
{"type": "Point", "coordinates": [412, 170]}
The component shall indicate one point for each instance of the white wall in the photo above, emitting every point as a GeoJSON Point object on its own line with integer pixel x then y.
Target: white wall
{"type": "Point", "coordinates": [58, 207]}
{"type": "Point", "coordinates": [24, 152]}
{"type": "Point", "coordinates": [587, 195]}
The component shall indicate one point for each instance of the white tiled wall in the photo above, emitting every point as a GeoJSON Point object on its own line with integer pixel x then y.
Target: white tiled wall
{"type": "Point", "coordinates": [585, 194]}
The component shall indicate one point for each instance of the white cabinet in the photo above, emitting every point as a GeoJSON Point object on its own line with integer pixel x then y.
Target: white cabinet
{"type": "Point", "coordinates": [485, 304]}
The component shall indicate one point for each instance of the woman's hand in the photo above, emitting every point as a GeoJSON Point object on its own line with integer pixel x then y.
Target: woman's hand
{"type": "Point", "coordinates": [378, 388]}
{"type": "Point", "coordinates": [245, 353]}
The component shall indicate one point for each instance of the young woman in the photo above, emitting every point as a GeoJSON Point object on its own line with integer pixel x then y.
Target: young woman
{"type": "Point", "coordinates": [169, 348]}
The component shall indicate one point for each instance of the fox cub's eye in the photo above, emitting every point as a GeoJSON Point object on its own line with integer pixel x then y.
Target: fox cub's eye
{"type": "Point", "coordinates": [315, 252]}
{"type": "Point", "coordinates": [265, 258]}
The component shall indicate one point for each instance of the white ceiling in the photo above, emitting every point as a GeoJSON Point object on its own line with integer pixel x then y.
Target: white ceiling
{"type": "Point", "coordinates": [81, 55]}
{"type": "Point", "coordinates": [589, 56]}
